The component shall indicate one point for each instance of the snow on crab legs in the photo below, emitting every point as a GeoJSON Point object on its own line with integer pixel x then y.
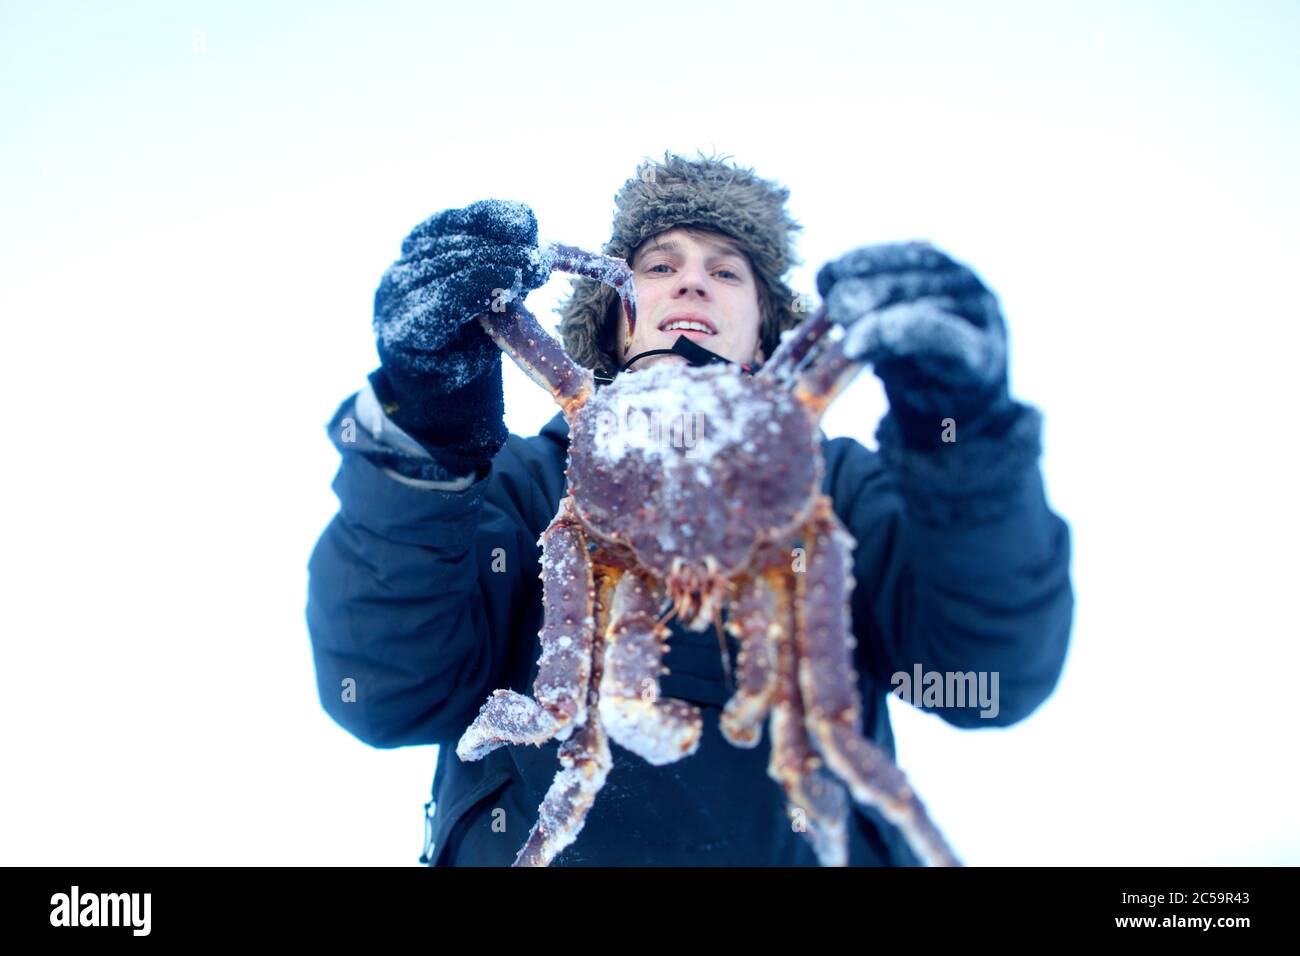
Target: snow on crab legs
{"type": "Point", "coordinates": [648, 523]}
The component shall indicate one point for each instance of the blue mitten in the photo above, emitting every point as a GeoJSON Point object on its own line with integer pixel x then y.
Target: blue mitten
{"type": "Point", "coordinates": [933, 333]}
{"type": "Point", "coordinates": [961, 447]}
{"type": "Point", "coordinates": [440, 377]}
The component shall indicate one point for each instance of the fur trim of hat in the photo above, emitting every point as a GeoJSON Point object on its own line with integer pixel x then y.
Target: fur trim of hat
{"type": "Point", "coordinates": [706, 193]}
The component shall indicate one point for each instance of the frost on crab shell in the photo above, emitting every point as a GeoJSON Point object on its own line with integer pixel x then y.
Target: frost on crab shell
{"type": "Point", "coordinates": [516, 717]}
{"type": "Point", "coordinates": [651, 410]}
{"type": "Point", "coordinates": [565, 567]}
{"type": "Point", "coordinates": [630, 722]}
{"type": "Point", "coordinates": [580, 783]}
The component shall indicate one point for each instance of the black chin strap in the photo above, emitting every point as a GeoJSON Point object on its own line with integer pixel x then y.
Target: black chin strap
{"type": "Point", "coordinates": [693, 352]}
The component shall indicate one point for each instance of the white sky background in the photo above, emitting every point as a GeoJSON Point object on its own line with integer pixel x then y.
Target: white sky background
{"type": "Point", "coordinates": [196, 204]}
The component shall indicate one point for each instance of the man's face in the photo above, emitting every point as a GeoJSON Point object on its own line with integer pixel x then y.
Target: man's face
{"type": "Point", "coordinates": [696, 275]}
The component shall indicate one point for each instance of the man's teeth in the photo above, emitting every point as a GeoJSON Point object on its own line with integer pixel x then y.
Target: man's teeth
{"type": "Point", "coordinates": [686, 324]}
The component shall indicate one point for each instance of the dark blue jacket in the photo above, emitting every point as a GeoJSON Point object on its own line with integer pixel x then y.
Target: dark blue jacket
{"type": "Point", "coordinates": [960, 566]}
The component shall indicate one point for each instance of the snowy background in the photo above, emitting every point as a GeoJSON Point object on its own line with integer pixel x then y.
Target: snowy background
{"type": "Point", "coordinates": [196, 204]}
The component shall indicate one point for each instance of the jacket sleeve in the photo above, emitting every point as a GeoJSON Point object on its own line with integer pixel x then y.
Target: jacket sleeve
{"type": "Point", "coordinates": [409, 624]}
{"type": "Point", "coordinates": [961, 567]}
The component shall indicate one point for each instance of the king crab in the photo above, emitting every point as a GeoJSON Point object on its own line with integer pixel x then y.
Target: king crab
{"type": "Point", "coordinates": [697, 525]}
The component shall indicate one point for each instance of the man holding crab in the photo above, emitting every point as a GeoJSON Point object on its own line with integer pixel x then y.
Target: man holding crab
{"type": "Point", "coordinates": [424, 588]}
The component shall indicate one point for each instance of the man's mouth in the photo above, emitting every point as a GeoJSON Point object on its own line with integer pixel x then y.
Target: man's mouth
{"type": "Point", "coordinates": [683, 323]}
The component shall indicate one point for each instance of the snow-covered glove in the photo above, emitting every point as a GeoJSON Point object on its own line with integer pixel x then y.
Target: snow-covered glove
{"type": "Point", "coordinates": [440, 378]}
{"type": "Point", "coordinates": [933, 333]}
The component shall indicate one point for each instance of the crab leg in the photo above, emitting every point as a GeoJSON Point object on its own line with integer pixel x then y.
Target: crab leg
{"type": "Point", "coordinates": [659, 729]}
{"type": "Point", "coordinates": [796, 346]}
{"type": "Point", "coordinates": [819, 384]}
{"type": "Point", "coordinates": [564, 669]}
{"type": "Point", "coordinates": [539, 355]}
{"type": "Point", "coordinates": [828, 683]}
{"type": "Point", "coordinates": [585, 758]}
{"type": "Point", "coordinates": [518, 333]}
{"type": "Point", "coordinates": [814, 798]}
{"type": "Point", "coordinates": [615, 273]}
{"type": "Point", "coordinates": [756, 624]}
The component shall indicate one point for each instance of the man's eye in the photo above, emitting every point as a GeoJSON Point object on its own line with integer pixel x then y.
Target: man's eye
{"type": "Point", "coordinates": [662, 265]}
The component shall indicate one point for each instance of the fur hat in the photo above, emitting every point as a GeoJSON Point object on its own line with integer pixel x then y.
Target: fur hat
{"type": "Point", "coordinates": [706, 193]}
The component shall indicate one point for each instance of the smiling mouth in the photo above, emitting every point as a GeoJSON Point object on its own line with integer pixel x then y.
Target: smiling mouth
{"type": "Point", "coordinates": [688, 325]}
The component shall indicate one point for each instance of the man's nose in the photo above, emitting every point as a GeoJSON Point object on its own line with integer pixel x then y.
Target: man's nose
{"type": "Point", "coordinates": [692, 279]}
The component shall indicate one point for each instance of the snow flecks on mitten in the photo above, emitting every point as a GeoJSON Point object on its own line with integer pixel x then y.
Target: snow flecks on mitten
{"type": "Point", "coordinates": [932, 333]}
{"type": "Point", "coordinates": [455, 265]}
{"type": "Point", "coordinates": [911, 301]}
